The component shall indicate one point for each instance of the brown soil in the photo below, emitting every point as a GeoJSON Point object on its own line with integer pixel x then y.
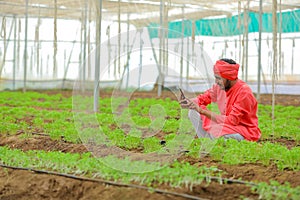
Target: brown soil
{"type": "Point", "coordinates": [22, 184]}
{"type": "Point", "coordinates": [265, 99]}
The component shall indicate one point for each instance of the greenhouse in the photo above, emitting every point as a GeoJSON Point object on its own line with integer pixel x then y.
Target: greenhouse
{"type": "Point", "coordinates": [94, 96]}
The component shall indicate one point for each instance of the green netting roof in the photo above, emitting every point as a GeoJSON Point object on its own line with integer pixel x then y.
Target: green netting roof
{"type": "Point", "coordinates": [230, 26]}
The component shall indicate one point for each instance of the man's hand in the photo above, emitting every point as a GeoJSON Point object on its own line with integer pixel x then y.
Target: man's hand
{"type": "Point", "coordinates": [184, 103]}
{"type": "Point", "coordinates": [183, 100]}
{"type": "Point", "coordinates": [193, 106]}
{"type": "Point", "coordinates": [187, 103]}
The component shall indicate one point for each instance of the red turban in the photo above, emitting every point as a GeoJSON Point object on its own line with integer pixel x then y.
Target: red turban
{"type": "Point", "coordinates": [226, 70]}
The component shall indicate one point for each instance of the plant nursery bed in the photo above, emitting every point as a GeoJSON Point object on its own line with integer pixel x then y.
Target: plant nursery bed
{"type": "Point", "coordinates": [48, 183]}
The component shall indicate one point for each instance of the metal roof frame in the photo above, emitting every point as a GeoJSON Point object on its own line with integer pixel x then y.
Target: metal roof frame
{"type": "Point", "coordinates": [140, 12]}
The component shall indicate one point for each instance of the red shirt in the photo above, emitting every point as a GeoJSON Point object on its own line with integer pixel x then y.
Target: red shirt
{"type": "Point", "coordinates": [238, 108]}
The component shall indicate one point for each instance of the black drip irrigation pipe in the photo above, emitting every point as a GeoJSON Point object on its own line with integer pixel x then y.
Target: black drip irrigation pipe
{"type": "Point", "coordinates": [165, 192]}
{"type": "Point", "coordinates": [222, 180]}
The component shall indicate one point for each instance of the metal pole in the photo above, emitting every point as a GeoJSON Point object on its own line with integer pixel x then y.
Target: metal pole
{"type": "Point", "coordinates": [6, 44]}
{"type": "Point", "coordinates": [19, 45]}
{"type": "Point", "coordinates": [89, 46]}
{"type": "Point", "coordinates": [166, 40]}
{"type": "Point", "coordinates": [292, 65]}
{"type": "Point", "coordinates": [31, 61]}
{"type": "Point", "coordinates": [109, 48]}
{"type": "Point", "coordinates": [15, 54]}
{"type": "Point", "coordinates": [141, 60]}
{"type": "Point", "coordinates": [119, 37]}
{"type": "Point", "coordinates": [274, 73]}
{"type": "Point", "coordinates": [84, 45]}
{"type": "Point", "coordinates": [128, 53]}
{"type": "Point", "coordinates": [182, 43]}
{"type": "Point", "coordinates": [97, 57]}
{"type": "Point", "coordinates": [161, 38]}
{"type": "Point", "coordinates": [80, 55]}
{"type": "Point", "coordinates": [25, 48]}
{"type": "Point", "coordinates": [55, 41]}
{"type": "Point", "coordinates": [37, 44]}
{"type": "Point", "coordinates": [259, 51]}
{"type": "Point", "coordinates": [279, 47]}
{"type": "Point", "coordinates": [41, 71]}
{"type": "Point", "coordinates": [239, 27]}
{"type": "Point", "coordinates": [65, 59]}
{"type": "Point", "coordinates": [247, 41]}
{"type": "Point", "coordinates": [187, 55]}
{"type": "Point", "coordinates": [47, 65]}
{"type": "Point", "coordinates": [194, 42]}
{"type": "Point", "coordinates": [3, 34]}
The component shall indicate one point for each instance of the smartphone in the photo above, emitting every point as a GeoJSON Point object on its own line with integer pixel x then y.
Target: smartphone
{"type": "Point", "coordinates": [182, 94]}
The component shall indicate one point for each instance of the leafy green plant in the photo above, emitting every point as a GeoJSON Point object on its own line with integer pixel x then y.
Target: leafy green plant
{"type": "Point", "coordinates": [151, 144]}
{"type": "Point", "coordinates": [276, 191]}
{"type": "Point", "coordinates": [234, 152]}
{"type": "Point", "coordinates": [177, 174]}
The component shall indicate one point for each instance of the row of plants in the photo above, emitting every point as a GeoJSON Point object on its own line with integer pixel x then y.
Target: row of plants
{"type": "Point", "coordinates": [285, 125]}
{"type": "Point", "coordinates": [35, 99]}
{"type": "Point", "coordinates": [55, 124]}
{"type": "Point", "coordinates": [233, 152]}
{"type": "Point", "coordinates": [175, 175]}
{"type": "Point", "coordinates": [179, 174]}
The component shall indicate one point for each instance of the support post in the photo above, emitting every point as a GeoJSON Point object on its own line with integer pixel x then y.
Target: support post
{"type": "Point", "coordinates": [161, 39]}
{"type": "Point", "coordinates": [84, 45]}
{"type": "Point", "coordinates": [259, 52]}
{"type": "Point", "coordinates": [141, 60]}
{"type": "Point", "coordinates": [25, 48]}
{"type": "Point", "coordinates": [182, 44]}
{"type": "Point", "coordinates": [15, 54]}
{"type": "Point", "coordinates": [274, 71]}
{"type": "Point", "coordinates": [97, 57]}
{"type": "Point", "coordinates": [55, 41]}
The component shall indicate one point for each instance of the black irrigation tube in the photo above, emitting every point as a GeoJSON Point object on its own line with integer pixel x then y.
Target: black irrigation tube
{"type": "Point", "coordinates": [105, 182]}
{"type": "Point", "coordinates": [214, 178]}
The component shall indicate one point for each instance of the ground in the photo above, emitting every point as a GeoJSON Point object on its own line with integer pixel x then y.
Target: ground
{"type": "Point", "coordinates": [25, 184]}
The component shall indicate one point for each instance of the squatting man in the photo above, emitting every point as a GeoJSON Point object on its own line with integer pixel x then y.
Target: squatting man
{"type": "Point", "coordinates": [237, 117]}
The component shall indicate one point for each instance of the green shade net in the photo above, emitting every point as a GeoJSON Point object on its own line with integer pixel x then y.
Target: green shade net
{"type": "Point", "coordinates": [230, 26]}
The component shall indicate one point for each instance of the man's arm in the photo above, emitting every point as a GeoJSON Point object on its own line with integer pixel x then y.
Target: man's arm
{"type": "Point", "coordinates": [238, 110]}
{"type": "Point", "coordinates": [194, 106]}
{"type": "Point", "coordinates": [209, 114]}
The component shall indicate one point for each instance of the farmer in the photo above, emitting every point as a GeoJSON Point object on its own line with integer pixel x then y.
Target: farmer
{"type": "Point", "coordinates": [237, 118]}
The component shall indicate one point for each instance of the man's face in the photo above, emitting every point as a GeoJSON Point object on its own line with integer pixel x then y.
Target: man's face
{"type": "Point", "coordinates": [223, 83]}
